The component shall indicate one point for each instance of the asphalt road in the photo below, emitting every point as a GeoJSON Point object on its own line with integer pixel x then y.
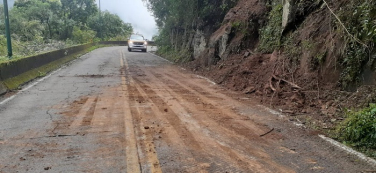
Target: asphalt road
{"type": "Point", "coordinates": [117, 111]}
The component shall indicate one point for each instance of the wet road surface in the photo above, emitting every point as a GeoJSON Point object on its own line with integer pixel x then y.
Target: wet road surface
{"type": "Point", "coordinates": [117, 111]}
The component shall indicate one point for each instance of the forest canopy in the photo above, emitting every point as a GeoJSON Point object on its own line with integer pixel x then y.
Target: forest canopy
{"type": "Point", "coordinates": [176, 19]}
{"type": "Point", "coordinates": [35, 23]}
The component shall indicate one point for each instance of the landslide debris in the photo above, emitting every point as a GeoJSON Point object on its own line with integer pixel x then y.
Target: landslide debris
{"type": "Point", "coordinates": [312, 60]}
{"type": "Point", "coordinates": [297, 68]}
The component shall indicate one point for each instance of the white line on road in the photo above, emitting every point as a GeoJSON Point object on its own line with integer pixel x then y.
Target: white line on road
{"type": "Point", "coordinates": [207, 79]}
{"type": "Point", "coordinates": [272, 111]}
{"type": "Point", "coordinates": [349, 150]}
{"type": "Point", "coordinates": [29, 86]}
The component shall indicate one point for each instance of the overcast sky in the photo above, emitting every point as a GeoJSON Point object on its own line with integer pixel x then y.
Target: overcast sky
{"type": "Point", "coordinates": [131, 11]}
{"type": "Point", "coordinates": [134, 12]}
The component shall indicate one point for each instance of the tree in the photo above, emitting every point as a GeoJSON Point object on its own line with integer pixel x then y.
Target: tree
{"type": "Point", "coordinates": [109, 25]}
{"type": "Point", "coordinates": [178, 19]}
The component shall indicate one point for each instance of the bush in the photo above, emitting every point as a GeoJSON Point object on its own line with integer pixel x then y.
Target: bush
{"type": "Point", "coordinates": [83, 36]}
{"type": "Point", "coordinates": [270, 35]}
{"type": "Point", "coordinates": [359, 128]}
{"type": "Point", "coordinates": [3, 46]}
{"type": "Point", "coordinates": [359, 17]}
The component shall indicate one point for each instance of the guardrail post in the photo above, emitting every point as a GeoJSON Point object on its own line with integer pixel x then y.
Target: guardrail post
{"type": "Point", "coordinates": [7, 31]}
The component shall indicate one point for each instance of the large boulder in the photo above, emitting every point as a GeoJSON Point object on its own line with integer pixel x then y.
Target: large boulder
{"type": "Point", "coordinates": [220, 40]}
{"type": "Point", "coordinates": [199, 43]}
{"type": "Point", "coordinates": [289, 11]}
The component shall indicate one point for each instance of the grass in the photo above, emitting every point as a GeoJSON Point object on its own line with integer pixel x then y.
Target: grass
{"type": "Point", "coordinates": [174, 56]}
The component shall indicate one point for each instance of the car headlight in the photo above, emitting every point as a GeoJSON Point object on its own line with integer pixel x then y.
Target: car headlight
{"type": "Point", "coordinates": [131, 42]}
{"type": "Point", "coordinates": [145, 42]}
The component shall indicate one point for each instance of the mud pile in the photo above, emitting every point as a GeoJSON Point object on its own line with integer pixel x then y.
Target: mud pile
{"type": "Point", "coordinates": [301, 77]}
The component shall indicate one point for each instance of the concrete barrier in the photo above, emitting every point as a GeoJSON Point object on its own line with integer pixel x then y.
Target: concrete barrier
{"type": "Point", "coordinates": [20, 71]}
{"type": "Point", "coordinates": [17, 72]}
{"type": "Point", "coordinates": [123, 43]}
{"type": "Point", "coordinates": [19, 66]}
{"type": "Point", "coordinates": [120, 43]}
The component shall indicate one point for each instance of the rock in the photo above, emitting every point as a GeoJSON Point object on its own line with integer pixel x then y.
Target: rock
{"type": "Point", "coordinates": [199, 43]}
{"type": "Point", "coordinates": [146, 127]}
{"type": "Point", "coordinates": [246, 54]}
{"type": "Point", "coordinates": [218, 44]}
{"type": "Point", "coordinates": [288, 15]}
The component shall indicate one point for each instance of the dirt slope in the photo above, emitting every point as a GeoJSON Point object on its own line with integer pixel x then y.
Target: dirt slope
{"type": "Point", "coordinates": [301, 79]}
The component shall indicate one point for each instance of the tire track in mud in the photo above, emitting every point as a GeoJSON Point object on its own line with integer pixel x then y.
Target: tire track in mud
{"type": "Point", "coordinates": [131, 148]}
{"type": "Point", "coordinates": [174, 132]}
{"type": "Point", "coordinates": [198, 152]}
{"type": "Point", "coordinates": [217, 101]}
{"type": "Point", "coordinates": [147, 155]}
{"type": "Point", "coordinates": [82, 112]}
{"type": "Point", "coordinates": [221, 113]}
{"type": "Point", "coordinates": [243, 161]}
{"type": "Point", "coordinates": [89, 113]}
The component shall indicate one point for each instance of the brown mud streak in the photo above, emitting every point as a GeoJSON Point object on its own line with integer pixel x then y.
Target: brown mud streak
{"type": "Point", "coordinates": [139, 113]}
{"type": "Point", "coordinates": [189, 95]}
{"type": "Point", "coordinates": [218, 101]}
{"type": "Point", "coordinates": [197, 153]}
{"type": "Point", "coordinates": [223, 115]}
{"type": "Point", "coordinates": [136, 113]}
{"type": "Point", "coordinates": [132, 157]}
{"type": "Point", "coordinates": [170, 133]}
{"type": "Point", "coordinates": [89, 114]}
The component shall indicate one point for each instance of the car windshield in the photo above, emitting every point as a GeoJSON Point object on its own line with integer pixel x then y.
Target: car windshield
{"type": "Point", "coordinates": [137, 37]}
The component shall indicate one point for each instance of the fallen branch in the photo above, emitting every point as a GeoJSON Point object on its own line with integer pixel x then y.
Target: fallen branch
{"type": "Point", "coordinates": [267, 132]}
{"type": "Point", "coordinates": [290, 83]}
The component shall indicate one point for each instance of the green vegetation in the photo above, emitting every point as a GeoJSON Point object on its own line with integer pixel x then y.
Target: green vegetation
{"type": "Point", "coordinates": [44, 25]}
{"type": "Point", "coordinates": [178, 20]}
{"type": "Point", "coordinates": [359, 130]}
{"type": "Point", "coordinates": [359, 18]}
{"type": "Point", "coordinates": [181, 56]}
{"type": "Point", "coordinates": [355, 33]}
{"type": "Point", "coordinates": [270, 35]}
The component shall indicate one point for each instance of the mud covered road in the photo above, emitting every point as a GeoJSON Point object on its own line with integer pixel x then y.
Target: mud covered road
{"type": "Point", "coordinates": [117, 111]}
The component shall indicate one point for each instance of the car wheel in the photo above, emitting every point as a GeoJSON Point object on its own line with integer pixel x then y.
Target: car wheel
{"type": "Point", "coordinates": [129, 50]}
{"type": "Point", "coordinates": [144, 50]}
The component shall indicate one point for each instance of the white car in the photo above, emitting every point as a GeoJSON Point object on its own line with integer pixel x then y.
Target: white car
{"type": "Point", "coordinates": [136, 41]}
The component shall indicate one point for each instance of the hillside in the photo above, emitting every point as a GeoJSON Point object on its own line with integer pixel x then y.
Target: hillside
{"type": "Point", "coordinates": [312, 60]}
{"type": "Point", "coordinates": [302, 68]}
